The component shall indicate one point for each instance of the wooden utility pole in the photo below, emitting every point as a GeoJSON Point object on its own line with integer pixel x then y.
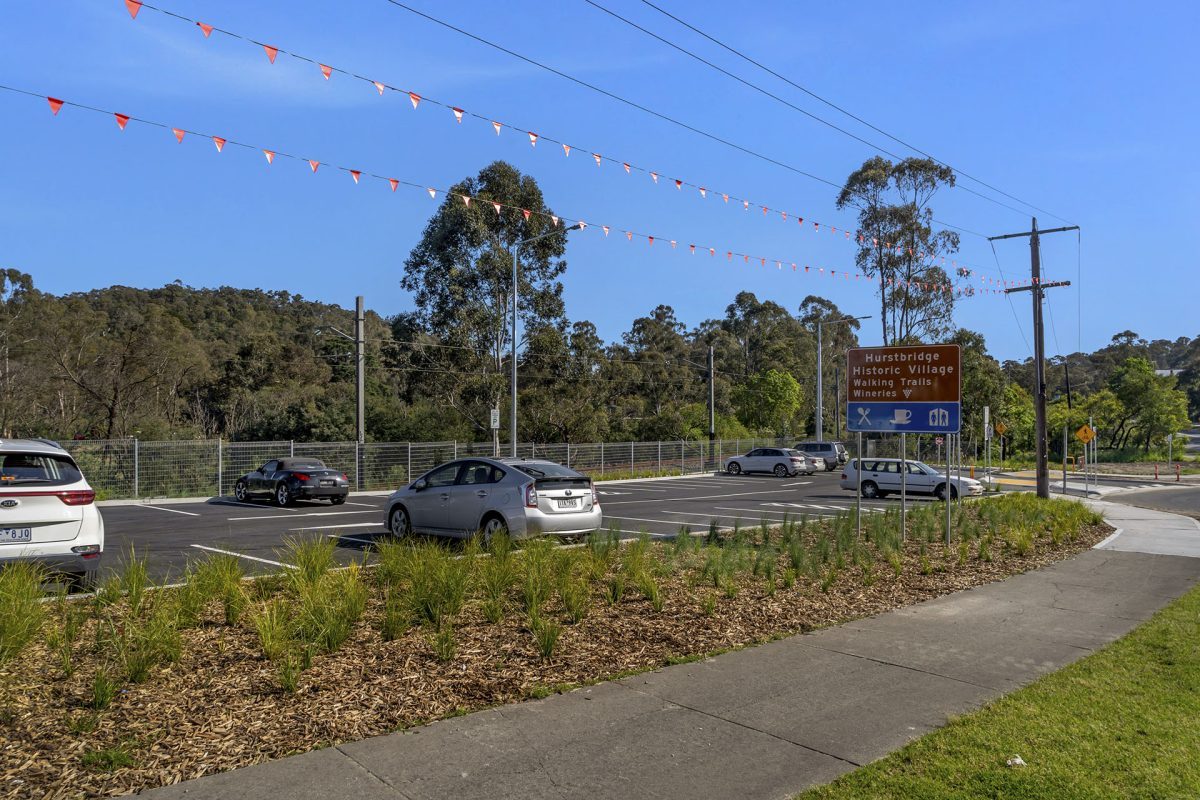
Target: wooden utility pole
{"type": "Point", "coordinates": [1037, 287]}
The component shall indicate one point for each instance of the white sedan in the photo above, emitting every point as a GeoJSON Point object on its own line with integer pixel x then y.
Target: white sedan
{"type": "Point", "coordinates": [881, 477]}
{"type": "Point", "coordinates": [780, 461]}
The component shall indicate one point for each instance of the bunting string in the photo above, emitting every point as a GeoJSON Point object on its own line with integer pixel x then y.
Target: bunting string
{"type": "Point", "coordinates": [960, 268]}
{"type": "Point", "coordinates": [123, 121]}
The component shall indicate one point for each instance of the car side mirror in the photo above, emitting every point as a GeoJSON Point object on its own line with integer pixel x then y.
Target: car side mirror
{"type": "Point", "coordinates": [420, 485]}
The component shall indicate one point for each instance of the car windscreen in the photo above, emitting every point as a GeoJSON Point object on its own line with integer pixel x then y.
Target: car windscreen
{"type": "Point", "coordinates": [301, 463]}
{"type": "Point", "coordinates": [40, 468]}
{"type": "Point", "coordinates": [546, 469]}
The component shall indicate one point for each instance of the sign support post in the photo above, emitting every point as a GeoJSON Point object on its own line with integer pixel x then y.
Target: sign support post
{"type": "Point", "coordinates": [858, 489]}
{"type": "Point", "coordinates": [903, 486]}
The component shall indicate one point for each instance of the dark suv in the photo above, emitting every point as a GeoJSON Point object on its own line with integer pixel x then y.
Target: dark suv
{"type": "Point", "coordinates": [834, 453]}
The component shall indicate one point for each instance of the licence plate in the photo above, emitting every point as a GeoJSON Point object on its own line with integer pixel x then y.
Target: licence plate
{"type": "Point", "coordinates": [11, 535]}
{"type": "Point", "coordinates": [568, 502]}
{"type": "Point", "coordinates": [326, 483]}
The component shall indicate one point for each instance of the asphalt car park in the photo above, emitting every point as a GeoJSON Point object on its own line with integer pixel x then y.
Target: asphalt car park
{"type": "Point", "coordinates": [170, 535]}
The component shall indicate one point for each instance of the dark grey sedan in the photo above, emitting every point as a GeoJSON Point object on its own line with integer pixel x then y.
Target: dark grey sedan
{"type": "Point", "coordinates": [285, 480]}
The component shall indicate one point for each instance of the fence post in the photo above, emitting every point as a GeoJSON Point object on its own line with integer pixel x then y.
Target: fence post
{"type": "Point", "coordinates": [456, 448]}
{"type": "Point", "coordinates": [568, 455]}
{"type": "Point", "coordinates": [631, 459]}
{"type": "Point", "coordinates": [220, 467]}
{"type": "Point", "coordinates": [682, 463]}
{"type": "Point", "coordinates": [660, 456]}
{"type": "Point", "coordinates": [136, 466]}
{"type": "Point", "coordinates": [291, 448]}
{"type": "Point", "coordinates": [602, 458]}
{"type": "Point", "coordinates": [408, 469]}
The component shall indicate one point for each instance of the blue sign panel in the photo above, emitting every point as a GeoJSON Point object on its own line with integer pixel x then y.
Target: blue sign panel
{"type": "Point", "coordinates": [903, 417]}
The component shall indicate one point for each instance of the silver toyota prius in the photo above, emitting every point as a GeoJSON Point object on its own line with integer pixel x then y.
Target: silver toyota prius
{"type": "Point", "coordinates": [523, 497]}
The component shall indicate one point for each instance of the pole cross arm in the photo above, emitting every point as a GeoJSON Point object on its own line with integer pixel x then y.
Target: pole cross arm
{"type": "Point", "coordinates": [1046, 285]}
{"type": "Point", "coordinates": [1038, 232]}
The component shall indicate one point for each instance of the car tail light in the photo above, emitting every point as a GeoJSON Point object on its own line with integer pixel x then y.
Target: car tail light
{"type": "Point", "coordinates": [300, 476]}
{"type": "Point", "coordinates": [797, 461]}
{"type": "Point", "coordinates": [80, 497]}
{"type": "Point", "coordinates": [595, 495]}
{"type": "Point", "coordinates": [531, 500]}
{"type": "Point", "coordinates": [844, 476]}
{"type": "Point", "coordinates": [345, 477]}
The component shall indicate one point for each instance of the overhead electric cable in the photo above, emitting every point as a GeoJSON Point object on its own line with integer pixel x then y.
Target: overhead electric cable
{"type": "Point", "coordinates": [836, 107]}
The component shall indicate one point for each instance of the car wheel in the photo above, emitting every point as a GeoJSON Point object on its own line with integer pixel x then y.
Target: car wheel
{"type": "Point", "coordinates": [829, 467]}
{"type": "Point", "coordinates": [734, 468]}
{"type": "Point", "coordinates": [398, 522]}
{"type": "Point", "coordinates": [493, 525]}
{"type": "Point", "coordinates": [940, 492]}
{"type": "Point", "coordinates": [337, 501]}
{"type": "Point", "coordinates": [81, 582]}
{"type": "Point", "coordinates": [870, 490]}
{"type": "Point", "coordinates": [283, 495]}
{"type": "Point", "coordinates": [240, 491]}
{"type": "Point", "coordinates": [781, 471]}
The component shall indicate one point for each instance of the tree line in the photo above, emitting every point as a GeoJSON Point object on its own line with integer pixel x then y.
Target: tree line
{"type": "Point", "coordinates": [179, 362]}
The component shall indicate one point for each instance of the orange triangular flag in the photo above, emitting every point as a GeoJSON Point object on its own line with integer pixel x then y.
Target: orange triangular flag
{"type": "Point", "coordinates": [672, 243]}
{"type": "Point", "coordinates": [745, 205]}
{"type": "Point", "coordinates": [271, 52]}
{"type": "Point", "coordinates": [629, 235]}
{"type": "Point", "coordinates": [725, 197]}
{"type": "Point", "coordinates": [554, 220]}
{"type": "Point", "coordinates": [497, 126]}
{"type": "Point", "coordinates": [356, 174]}
{"type": "Point", "coordinates": [314, 164]}
{"type": "Point", "coordinates": [466, 200]}
{"type": "Point", "coordinates": [379, 86]}
{"type": "Point", "coordinates": [650, 239]}
{"type": "Point", "coordinates": [395, 183]}
{"type": "Point", "coordinates": [597, 157]}
{"type": "Point", "coordinates": [764, 209]}
{"type": "Point", "coordinates": [566, 149]}
{"type": "Point", "coordinates": [496, 206]}
{"type": "Point", "coordinates": [533, 137]}
{"type": "Point", "coordinates": [206, 29]}
{"type": "Point", "coordinates": [219, 142]}
{"type": "Point", "coordinates": [783, 214]}
{"type": "Point", "coordinates": [122, 120]}
{"type": "Point", "coordinates": [703, 192]}
{"type": "Point", "coordinates": [458, 112]}
{"type": "Point", "coordinates": [55, 105]}
{"type": "Point", "coordinates": [415, 98]}
{"type": "Point", "coordinates": [270, 154]}
{"type": "Point", "coordinates": [678, 184]}
{"type": "Point", "coordinates": [326, 70]}
{"type": "Point", "coordinates": [582, 224]}
{"type": "Point", "coordinates": [525, 212]}
{"type": "Point", "coordinates": [604, 228]}
{"type": "Point", "coordinates": [432, 193]}
{"type": "Point", "coordinates": [134, 7]}
{"type": "Point", "coordinates": [178, 134]}
{"type": "Point", "coordinates": [712, 251]}
{"type": "Point", "coordinates": [626, 168]}
{"type": "Point", "coordinates": [693, 248]}
{"type": "Point", "coordinates": [654, 175]}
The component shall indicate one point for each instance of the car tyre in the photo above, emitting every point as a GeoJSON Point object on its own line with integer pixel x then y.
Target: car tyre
{"type": "Point", "coordinates": [337, 501]}
{"type": "Point", "coordinates": [491, 526]}
{"type": "Point", "coordinates": [283, 495]}
{"type": "Point", "coordinates": [870, 490]}
{"type": "Point", "coordinates": [81, 582]}
{"type": "Point", "coordinates": [734, 468]}
{"type": "Point", "coordinates": [781, 471]}
{"type": "Point", "coordinates": [398, 522]}
{"type": "Point", "coordinates": [241, 492]}
{"type": "Point", "coordinates": [940, 492]}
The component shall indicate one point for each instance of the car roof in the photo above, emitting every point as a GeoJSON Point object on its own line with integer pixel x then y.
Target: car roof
{"type": "Point", "coordinates": [44, 446]}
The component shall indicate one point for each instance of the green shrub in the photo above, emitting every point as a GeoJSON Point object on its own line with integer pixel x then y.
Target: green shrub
{"type": "Point", "coordinates": [220, 576]}
{"type": "Point", "coordinates": [708, 604]}
{"type": "Point", "coordinates": [104, 689]}
{"type": "Point", "coordinates": [329, 607]}
{"type": "Point", "coordinates": [438, 584]}
{"type": "Point", "coordinates": [545, 633]}
{"type": "Point", "coordinates": [395, 616]}
{"type": "Point", "coordinates": [287, 672]}
{"type": "Point", "coordinates": [537, 576]}
{"type": "Point", "coordinates": [576, 595]}
{"type": "Point", "coordinates": [273, 624]}
{"type": "Point", "coordinates": [442, 643]}
{"type": "Point", "coordinates": [135, 579]}
{"type": "Point", "coordinates": [311, 558]}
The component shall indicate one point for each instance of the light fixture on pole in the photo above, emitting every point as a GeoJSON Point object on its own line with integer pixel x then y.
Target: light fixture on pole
{"type": "Point", "coordinates": [820, 374]}
{"type": "Point", "coordinates": [515, 289]}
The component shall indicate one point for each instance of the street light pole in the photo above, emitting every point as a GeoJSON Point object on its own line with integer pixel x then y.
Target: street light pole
{"type": "Point", "coordinates": [821, 374]}
{"type": "Point", "coordinates": [515, 290]}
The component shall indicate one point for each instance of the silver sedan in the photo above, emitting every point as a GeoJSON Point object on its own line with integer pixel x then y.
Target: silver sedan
{"type": "Point", "coordinates": [517, 496]}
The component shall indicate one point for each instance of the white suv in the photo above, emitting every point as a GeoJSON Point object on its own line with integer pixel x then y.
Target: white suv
{"type": "Point", "coordinates": [48, 513]}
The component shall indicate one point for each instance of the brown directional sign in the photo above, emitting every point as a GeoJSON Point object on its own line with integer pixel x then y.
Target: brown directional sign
{"type": "Point", "coordinates": [916, 374]}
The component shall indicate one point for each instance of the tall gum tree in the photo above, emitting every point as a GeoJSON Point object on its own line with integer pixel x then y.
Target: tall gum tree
{"type": "Point", "coordinates": [899, 247]}
{"type": "Point", "coordinates": [460, 274]}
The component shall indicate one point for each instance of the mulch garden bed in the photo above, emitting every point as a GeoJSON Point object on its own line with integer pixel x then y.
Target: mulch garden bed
{"type": "Point", "coordinates": [220, 707]}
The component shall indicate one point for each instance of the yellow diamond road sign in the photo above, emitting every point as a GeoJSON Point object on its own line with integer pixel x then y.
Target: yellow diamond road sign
{"type": "Point", "coordinates": [1001, 428]}
{"type": "Point", "coordinates": [1085, 434]}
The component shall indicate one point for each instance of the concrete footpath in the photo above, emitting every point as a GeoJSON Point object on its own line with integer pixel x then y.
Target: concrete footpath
{"type": "Point", "coordinates": [770, 720]}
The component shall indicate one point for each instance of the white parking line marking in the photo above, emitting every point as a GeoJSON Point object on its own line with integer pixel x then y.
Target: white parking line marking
{"type": "Point", "coordinates": [173, 510]}
{"type": "Point", "coordinates": [351, 538]}
{"type": "Point", "coordinates": [364, 505]}
{"type": "Point", "coordinates": [339, 527]}
{"type": "Point", "coordinates": [311, 514]}
{"type": "Point", "coordinates": [242, 555]}
{"type": "Point", "coordinates": [798, 483]}
{"type": "Point", "coordinates": [240, 504]}
{"type": "Point", "coordinates": [685, 499]}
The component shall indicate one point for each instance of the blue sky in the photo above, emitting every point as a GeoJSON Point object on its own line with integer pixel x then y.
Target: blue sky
{"type": "Point", "coordinates": [1088, 110]}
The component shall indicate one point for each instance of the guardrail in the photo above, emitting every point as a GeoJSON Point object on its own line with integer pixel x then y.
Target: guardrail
{"type": "Point", "coordinates": [134, 469]}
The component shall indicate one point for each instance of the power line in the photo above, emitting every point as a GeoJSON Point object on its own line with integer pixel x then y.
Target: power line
{"type": "Point", "coordinates": [838, 108]}
{"type": "Point", "coordinates": [1008, 297]}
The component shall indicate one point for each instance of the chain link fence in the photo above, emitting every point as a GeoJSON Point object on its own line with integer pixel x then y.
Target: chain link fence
{"type": "Point", "coordinates": [131, 468]}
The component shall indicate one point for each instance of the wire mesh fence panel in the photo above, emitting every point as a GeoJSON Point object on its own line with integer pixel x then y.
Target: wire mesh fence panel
{"type": "Point", "coordinates": [551, 452]}
{"type": "Point", "coordinates": [107, 464]}
{"type": "Point", "coordinates": [179, 469]}
{"type": "Point", "coordinates": [585, 458]}
{"type": "Point", "coordinates": [427, 455]}
{"type": "Point", "coordinates": [239, 458]}
{"type": "Point", "coordinates": [384, 465]}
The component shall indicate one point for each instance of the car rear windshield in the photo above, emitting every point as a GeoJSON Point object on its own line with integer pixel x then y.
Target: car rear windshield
{"type": "Point", "coordinates": [301, 463]}
{"type": "Point", "coordinates": [41, 468]}
{"type": "Point", "coordinates": [546, 469]}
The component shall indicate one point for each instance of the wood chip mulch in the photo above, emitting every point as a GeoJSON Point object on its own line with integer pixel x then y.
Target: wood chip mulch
{"type": "Point", "coordinates": [220, 707]}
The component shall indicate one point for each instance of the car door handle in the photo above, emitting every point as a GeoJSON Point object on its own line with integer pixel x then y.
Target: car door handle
{"type": "Point", "coordinates": [481, 493]}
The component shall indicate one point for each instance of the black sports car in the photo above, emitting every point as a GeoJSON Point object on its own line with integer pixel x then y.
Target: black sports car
{"type": "Point", "coordinates": [287, 479]}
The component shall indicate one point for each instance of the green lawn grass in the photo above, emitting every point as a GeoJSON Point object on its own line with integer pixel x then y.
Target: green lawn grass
{"type": "Point", "coordinates": [1124, 722]}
